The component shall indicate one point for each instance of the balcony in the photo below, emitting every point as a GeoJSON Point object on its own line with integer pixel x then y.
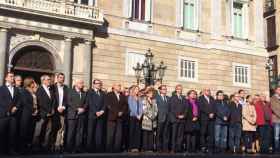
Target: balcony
{"type": "Point", "coordinates": [57, 9]}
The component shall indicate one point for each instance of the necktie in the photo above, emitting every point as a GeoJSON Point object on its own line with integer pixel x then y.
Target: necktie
{"type": "Point", "coordinates": [98, 93]}
{"type": "Point", "coordinates": [137, 107]}
{"type": "Point", "coordinates": [164, 99]}
{"type": "Point", "coordinates": [48, 92]}
{"type": "Point", "coordinates": [118, 97]}
{"type": "Point", "coordinates": [11, 90]}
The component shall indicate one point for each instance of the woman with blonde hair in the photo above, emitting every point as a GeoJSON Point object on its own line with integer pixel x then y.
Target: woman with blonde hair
{"type": "Point", "coordinates": [149, 123]}
{"type": "Point", "coordinates": [249, 125]}
{"type": "Point", "coordinates": [135, 115]}
{"type": "Point", "coordinates": [29, 114]}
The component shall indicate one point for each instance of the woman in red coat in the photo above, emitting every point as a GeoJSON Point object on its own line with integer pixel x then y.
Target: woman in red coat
{"type": "Point", "coordinates": [263, 121]}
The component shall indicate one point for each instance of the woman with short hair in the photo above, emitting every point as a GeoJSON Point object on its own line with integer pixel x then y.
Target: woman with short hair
{"type": "Point", "coordinates": [149, 122]}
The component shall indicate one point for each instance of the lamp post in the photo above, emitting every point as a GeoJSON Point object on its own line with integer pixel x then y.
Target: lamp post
{"type": "Point", "coordinates": [273, 80]}
{"type": "Point", "coordinates": [150, 72]}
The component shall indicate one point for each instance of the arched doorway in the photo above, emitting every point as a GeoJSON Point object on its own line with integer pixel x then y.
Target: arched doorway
{"type": "Point", "coordinates": [33, 61]}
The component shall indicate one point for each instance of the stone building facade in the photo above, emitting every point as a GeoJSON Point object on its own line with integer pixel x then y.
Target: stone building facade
{"type": "Point", "coordinates": [272, 39]}
{"type": "Point", "coordinates": [204, 43]}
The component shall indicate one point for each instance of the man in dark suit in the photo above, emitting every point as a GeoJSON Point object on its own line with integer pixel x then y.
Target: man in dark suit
{"type": "Point", "coordinates": [9, 105]}
{"type": "Point", "coordinates": [207, 121]}
{"type": "Point", "coordinates": [76, 117]}
{"type": "Point", "coordinates": [60, 92]}
{"type": "Point", "coordinates": [96, 109]}
{"type": "Point", "coordinates": [178, 110]}
{"type": "Point", "coordinates": [46, 104]}
{"type": "Point", "coordinates": [117, 106]}
{"type": "Point", "coordinates": [19, 86]}
{"type": "Point", "coordinates": [163, 121]}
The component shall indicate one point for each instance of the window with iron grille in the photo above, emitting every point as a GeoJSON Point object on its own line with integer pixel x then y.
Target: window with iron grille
{"type": "Point", "coordinates": [241, 74]}
{"type": "Point", "coordinates": [187, 69]}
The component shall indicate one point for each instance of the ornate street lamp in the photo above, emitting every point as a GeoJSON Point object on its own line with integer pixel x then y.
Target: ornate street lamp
{"type": "Point", "coordinates": [161, 70]}
{"type": "Point", "coordinates": [151, 73]}
{"type": "Point", "coordinates": [149, 56]}
{"type": "Point", "coordinates": [273, 80]}
{"type": "Point", "coordinates": [138, 70]}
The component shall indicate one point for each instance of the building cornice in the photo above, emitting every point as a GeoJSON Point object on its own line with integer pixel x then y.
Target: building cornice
{"type": "Point", "coordinates": [232, 47]}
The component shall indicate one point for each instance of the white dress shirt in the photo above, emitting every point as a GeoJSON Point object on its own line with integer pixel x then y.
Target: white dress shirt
{"type": "Point", "coordinates": [60, 95]}
{"type": "Point", "coordinates": [11, 89]}
{"type": "Point", "coordinates": [47, 90]}
{"type": "Point", "coordinates": [207, 98]}
{"type": "Point", "coordinates": [118, 96]}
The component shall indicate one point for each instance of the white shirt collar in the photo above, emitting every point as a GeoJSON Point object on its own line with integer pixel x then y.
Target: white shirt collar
{"type": "Point", "coordinates": [60, 95]}
{"type": "Point", "coordinates": [47, 90]}
{"type": "Point", "coordinates": [8, 84]}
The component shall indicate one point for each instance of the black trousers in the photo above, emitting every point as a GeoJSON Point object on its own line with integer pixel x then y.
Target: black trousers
{"type": "Point", "coordinates": [8, 133]}
{"type": "Point", "coordinates": [75, 133]}
{"type": "Point", "coordinates": [125, 140]}
{"type": "Point", "coordinates": [191, 139]}
{"type": "Point", "coordinates": [207, 133]}
{"type": "Point", "coordinates": [27, 127]}
{"type": "Point", "coordinates": [148, 138]}
{"type": "Point", "coordinates": [163, 135]}
{"type": "Point", "coordinates": [134, 133]}
{"type": "Point", "coordinates": [248, 138]}
{"type": "Point", "coordinates": [95, 135]}
{"type": "Point", "coordinates": [177, 135]}
{"type": "Point", "coordinates": [114, 136]}
{"type": "Point", "coordinates": [265, 137]}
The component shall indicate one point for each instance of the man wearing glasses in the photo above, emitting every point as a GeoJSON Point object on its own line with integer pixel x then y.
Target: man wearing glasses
{"type": "Point", "coordinates": [46, 102]}
{"type": "Point", "coordinates": [96, 109]}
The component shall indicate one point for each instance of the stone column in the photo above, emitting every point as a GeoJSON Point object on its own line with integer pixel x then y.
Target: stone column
{"type": "Point", "coordinates": [3, 53]}
{"type": "Point", "coordinates": [67, 62]}
{"type": "Point", "coordinates": [87, 62]}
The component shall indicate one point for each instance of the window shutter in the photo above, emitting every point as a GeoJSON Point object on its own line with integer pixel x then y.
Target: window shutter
{"type": "Point", "coordinates": [127, 8]}
{"type": "Point", "coordinates": [148, 10]}
{"type": "Point", "coordinates": [91, 2]}
{"type": "Point", "coordinates": [271, 33]}
{"type": "Point", "coordinates": [179, 13]}
{"type": "Point", "coordinates": [246, 21]}
{"type": "Point", "coordinates": [197, 7]}
{"type": "Point", "coordinates": [230, 17]}
{"type": "Point", "coordinates": [186, 15]}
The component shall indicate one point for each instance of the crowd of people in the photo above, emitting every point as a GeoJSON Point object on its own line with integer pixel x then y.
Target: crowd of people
{"type": "Point", "coordinates": [53, 117]}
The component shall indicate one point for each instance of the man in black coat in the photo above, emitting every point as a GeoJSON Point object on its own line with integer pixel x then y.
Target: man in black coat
{"type": "Point", "coordinates": [116, 105]}
{"type": "Point", "coordinates": [178, 109]}
{"type": "Point", "coordinates": [163, 119]}
{"type": "Point", "coordinates": [96, 122]}
{"type": "Point", "coordinates": [207, 121]}
{"type": "Point", "coordinates": [76, 117]}
{"type": "Point", "coordinates": [9, 105]}
{"type": "Point", "coordinates": [60, 92]}
{"type": "Point", "coordinates": [46, 103]}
